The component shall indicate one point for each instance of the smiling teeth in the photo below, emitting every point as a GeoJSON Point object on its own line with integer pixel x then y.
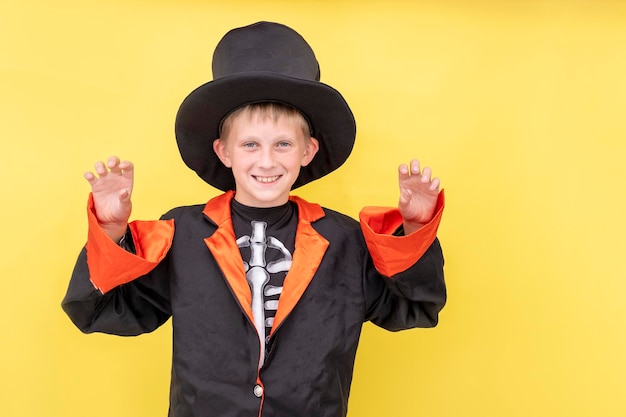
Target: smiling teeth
{"type": "Point", "coordinates": [268, 179]}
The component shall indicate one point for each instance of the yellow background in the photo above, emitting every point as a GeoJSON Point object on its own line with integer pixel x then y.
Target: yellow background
{"type": "Point", "coordinates": [517, 105]}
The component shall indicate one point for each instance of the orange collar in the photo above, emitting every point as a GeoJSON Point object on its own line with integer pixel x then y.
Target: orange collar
{"type": "Point", "coordinates": [310, 248]}
{"type": "Point", "coordinates": [218, 209]}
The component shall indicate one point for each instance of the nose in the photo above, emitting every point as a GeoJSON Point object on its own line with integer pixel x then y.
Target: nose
{"type": "Point", "coordinates": [266, 158]}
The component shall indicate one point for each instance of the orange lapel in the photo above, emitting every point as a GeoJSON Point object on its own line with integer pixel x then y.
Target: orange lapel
{"type": "Point", "coordinates": [310, 248]}
{"type": "Point", "coordinates": [223, 246]}
{"type": "Point", "coordinates": [307, 256]}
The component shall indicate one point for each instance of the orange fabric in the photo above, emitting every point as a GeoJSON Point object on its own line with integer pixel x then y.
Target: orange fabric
{"type": "Point", "coordinates": [223, 246]}
{"type": "Point", "coordinates": [394, 254]}
{"type": "Point", "coordinates": [111, 266]}
{"type": "Point", "coordinates": [310, 248]}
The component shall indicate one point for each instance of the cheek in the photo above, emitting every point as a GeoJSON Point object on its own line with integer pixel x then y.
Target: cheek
{"type": "Point", "coordinates": [237, 163]}
{"type": "Point", "coordinates": [297, 161]}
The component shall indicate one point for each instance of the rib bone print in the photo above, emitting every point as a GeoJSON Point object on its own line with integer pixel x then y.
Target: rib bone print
{"type": "Point", "coordinates": [258, 275]}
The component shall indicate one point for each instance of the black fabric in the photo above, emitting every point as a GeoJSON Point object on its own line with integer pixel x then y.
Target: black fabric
{"type": "Point", "coordinates": [280, 225]}
{"type": "Point", "coordinates": [126, 242]}
{"type": "Point", "coordinates": [308, 370]}
{"type": "Point", "coordinates": [265, 47]}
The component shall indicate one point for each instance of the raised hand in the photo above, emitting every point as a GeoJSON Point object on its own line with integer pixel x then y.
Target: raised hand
{"type": "Point", "coordinates": [418, 195]}
{"type": "Point", "coordinates": [112, 186]}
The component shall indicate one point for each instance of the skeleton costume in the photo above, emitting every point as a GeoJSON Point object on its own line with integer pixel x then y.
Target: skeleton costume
{"type": "Point", "coordinates": [267, 305]}
{"type": "Point", "coordinates": [267, 252]}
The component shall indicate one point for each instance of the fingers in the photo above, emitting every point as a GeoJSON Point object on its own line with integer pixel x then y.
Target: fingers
{"type": "Point", "coordinates": [125, 195]}
{"type": "Point", "coordinates": [413, 169]}
{"type": "Point", "coordinates": [113, 163]}
{"type": "Point", "coordinates": [113, 166]}
{"type": "Point", "coordinates": [91, 179]}
{"type": "Point", "coordinates": [434, 185]}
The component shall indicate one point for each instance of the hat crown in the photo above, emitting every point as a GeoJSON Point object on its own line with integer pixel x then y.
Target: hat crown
{"type": "Point", "coordinates": [265, 47]}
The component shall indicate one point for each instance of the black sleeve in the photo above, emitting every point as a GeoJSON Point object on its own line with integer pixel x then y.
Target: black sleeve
{"type": "Point", "coordinates": [412, 298]}
{"type": "Point", "coordinates": [130, 309]}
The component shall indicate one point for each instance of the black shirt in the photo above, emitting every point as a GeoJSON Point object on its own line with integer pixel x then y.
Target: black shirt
{"type": "Point", "coordinates": [266, 239]}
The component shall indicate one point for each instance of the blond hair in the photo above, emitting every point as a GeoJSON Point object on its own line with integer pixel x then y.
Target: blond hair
{"type": "Point", "coordinates": [265, 110]}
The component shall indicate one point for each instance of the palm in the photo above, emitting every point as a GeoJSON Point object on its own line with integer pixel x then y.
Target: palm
{"type": "Point", "coordinates": [418, 193]}
{"type": "Point", "coordinates": [111, 191]}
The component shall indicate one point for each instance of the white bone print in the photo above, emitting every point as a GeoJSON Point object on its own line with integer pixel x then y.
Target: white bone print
{"type": "Point", "coordinates": [258, 275]}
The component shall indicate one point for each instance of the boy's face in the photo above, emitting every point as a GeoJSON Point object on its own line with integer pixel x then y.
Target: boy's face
{"type": "Point", "coordinates": [265, 156]}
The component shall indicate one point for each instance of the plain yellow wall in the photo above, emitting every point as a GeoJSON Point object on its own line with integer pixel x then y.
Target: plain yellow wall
{"type": "Point", "coordinates": [517, 105]}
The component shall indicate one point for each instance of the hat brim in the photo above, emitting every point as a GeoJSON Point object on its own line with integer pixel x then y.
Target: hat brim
{"type": "Point", "coordinates": [199, 117]}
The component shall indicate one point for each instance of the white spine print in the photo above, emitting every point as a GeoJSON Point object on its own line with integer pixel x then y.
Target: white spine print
{"type": "Point", "coordinates": [258, 275]}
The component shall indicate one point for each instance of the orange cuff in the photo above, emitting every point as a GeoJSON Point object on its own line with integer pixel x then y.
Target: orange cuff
{"type": "Point", "coordinates": [110, 265]}
{"type": "Point", "coordinates": [394, 254]}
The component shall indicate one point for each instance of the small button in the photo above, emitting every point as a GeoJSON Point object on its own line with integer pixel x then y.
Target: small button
{"type": "Point", "coordinates": [258, 391]}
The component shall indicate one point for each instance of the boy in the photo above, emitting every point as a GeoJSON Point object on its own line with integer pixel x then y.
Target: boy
{"type": "Point", "coordinates": [267, 292]}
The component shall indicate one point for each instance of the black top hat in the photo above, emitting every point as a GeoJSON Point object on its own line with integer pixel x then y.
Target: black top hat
{"type": "Point", "coordinates": [263, 62]}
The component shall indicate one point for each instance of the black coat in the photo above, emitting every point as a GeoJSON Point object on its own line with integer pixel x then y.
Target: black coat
{"type": "Point", "coordinates": [331, 289]}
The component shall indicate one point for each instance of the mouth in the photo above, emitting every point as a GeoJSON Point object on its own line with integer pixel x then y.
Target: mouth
{"type": "Point", "coordinates": [266, 180]}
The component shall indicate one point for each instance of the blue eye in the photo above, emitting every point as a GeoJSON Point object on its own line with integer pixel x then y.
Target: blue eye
{"type": "Point", "coordinates": [284, 144]}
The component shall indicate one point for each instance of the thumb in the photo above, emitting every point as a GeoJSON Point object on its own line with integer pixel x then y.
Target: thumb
{"type": "Point", "coordinates": [405, 195]}
{"type": "Point", "coordinates": [125, 195]}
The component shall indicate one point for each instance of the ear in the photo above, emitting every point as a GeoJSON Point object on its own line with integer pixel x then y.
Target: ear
{"type": "Point", "coordinates": [219, 146]}
{"type": "Point", "coordinates": [311, 147]}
